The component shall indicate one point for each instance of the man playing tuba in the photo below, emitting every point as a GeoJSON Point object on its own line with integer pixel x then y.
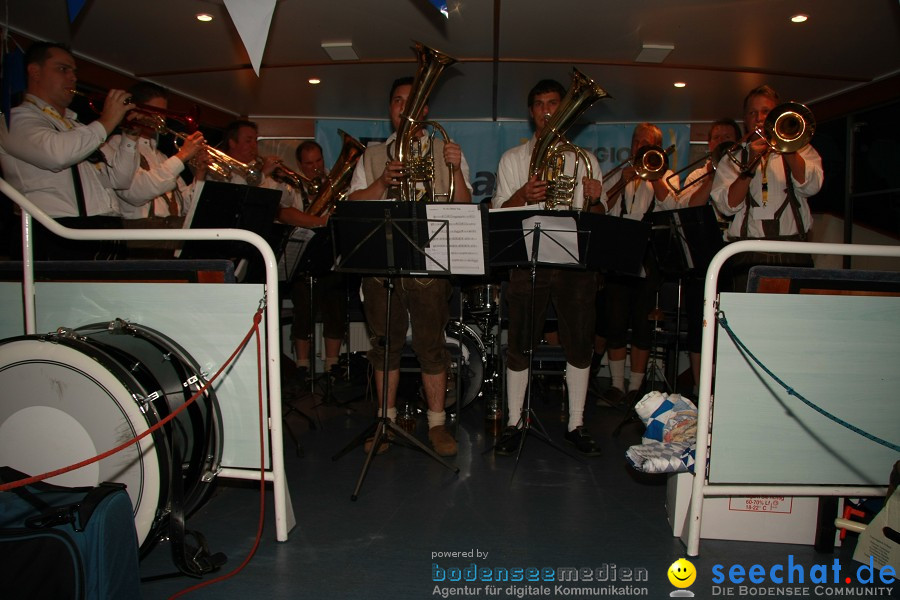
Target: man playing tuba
{"type": "Point", "coordinates": [572, 291]}
{"type": "Point", "coordinates": [422, 300]}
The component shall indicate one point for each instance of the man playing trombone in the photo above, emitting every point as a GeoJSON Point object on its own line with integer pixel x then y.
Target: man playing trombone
{"type": "Point", "coordinates": [767, 193]}
{"type": "Point", "coordinates": [642, 185]}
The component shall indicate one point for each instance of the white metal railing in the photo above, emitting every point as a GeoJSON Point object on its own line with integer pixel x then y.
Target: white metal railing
{"type": "Point", "coordinates": [284, 513]}
{"type": "Point", "coordinates": [701, 486]}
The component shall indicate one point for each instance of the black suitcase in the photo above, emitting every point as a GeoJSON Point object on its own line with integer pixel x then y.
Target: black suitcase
{"type": "Point", "coordinates": [59, 542]}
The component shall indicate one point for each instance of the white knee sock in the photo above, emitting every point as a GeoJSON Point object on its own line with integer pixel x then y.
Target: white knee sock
{"type": "Point", "coordinates": [436, 418]}
{"type": "Point", "coordinates": [577, 382]}
{"type": "Point", "coordinates": [516, 384]}
{"type": "Point", "coordinates": [617, 373]}
{"type": "Point", "coordinates": [635, 381]}
{"type": "Point", "coordinates": [391, 413]}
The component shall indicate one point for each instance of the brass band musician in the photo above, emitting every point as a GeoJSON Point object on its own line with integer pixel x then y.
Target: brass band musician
{"type": "Point", "coordinates": [329, 290]}
{"type": "Point", "coordinates": [572, 291]}
{"type": "Point", "coordinates": [769, 200]}
{"type": "Point", "coordinates": [423, 301]}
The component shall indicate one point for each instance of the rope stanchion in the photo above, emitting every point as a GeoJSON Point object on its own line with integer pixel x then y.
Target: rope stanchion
{"type": "Point", "coordinates": [262, 480]}
{"type": "Point", "coordinates": [720, 317]}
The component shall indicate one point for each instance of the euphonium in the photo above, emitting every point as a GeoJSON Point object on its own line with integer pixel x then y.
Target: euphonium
{"type": "Point", "coordinates": [548, 157]}
{"type": "Point", "coordinates": [419, 166]}
{"type": "Point", "coordinates": [338, 178]}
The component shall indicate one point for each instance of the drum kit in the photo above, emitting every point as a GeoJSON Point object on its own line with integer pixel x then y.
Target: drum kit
{"type": "Point", "coordinates": [73, 394]}
{"type": "Point", "coordinates": [473, 341]}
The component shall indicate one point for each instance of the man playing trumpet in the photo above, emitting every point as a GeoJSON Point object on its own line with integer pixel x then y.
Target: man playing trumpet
{"type": "Point", "coordinates": [63, 166]}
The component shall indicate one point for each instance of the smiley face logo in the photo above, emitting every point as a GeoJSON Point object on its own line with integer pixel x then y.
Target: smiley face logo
{"type": "Point", "coordinates": [682, 573]}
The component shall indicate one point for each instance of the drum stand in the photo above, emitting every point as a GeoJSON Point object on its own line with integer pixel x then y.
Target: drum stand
{"type": "Point", "coordinates": [528, 421]}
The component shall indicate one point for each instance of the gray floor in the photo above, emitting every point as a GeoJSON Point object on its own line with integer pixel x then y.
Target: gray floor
{"type": "Point", "coordinates": [551, 511]}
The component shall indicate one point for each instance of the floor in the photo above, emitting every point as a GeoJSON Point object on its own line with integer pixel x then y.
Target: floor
{"type": "Point", "coordinates": [416, 521]}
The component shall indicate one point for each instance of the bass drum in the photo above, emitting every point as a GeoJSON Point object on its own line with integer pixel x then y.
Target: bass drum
{"type": "Point", "coordinates": [72, 395]}
{"type": "Point", "coordinates": [462, 339]}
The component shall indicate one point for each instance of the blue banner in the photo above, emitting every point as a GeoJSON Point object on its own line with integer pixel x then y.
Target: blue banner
{"type": "Point", "coordinates": [483, 142]}
{"type": "Point", "coordinates": [75, 7]}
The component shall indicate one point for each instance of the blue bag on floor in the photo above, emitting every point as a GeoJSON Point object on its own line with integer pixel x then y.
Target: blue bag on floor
{"type": "Point", "coordinates": [60, 542]}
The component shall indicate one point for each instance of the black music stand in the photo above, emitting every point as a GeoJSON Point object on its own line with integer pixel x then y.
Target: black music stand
{"type": "Point", "coordinates": [684, 242]}
{"type": "Point", "coordinates": [510, 238]}
{"type": "Point", "coordinates": [231, 206]}
{"type": "Point", "coordinates": [387, 238]}
{"type": "Point", "coordinates": [308, 253]}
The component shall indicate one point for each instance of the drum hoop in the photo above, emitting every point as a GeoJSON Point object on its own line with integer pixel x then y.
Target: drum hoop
{"type": "Point", "coordinates": [213, 444]}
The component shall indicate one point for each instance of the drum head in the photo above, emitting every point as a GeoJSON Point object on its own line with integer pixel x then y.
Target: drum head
{"type": "Point", "coordinates": [467, 365]}
{"type": "Point", "coordinates": [63, 402]}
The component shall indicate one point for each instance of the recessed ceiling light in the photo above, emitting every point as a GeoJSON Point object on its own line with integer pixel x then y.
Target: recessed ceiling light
{"type": "Point", "coordinates": [204, 17]}
{"type": "Point", "coordinates": [801, 18]}
{"type": "Point", "coordinates": [679, 84]}
{"type": "Point", "coordinates": [315, 81]}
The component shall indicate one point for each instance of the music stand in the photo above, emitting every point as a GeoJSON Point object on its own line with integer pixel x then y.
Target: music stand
{"type": "Point", "coordinates": [389, 238]}
{"type": "Point", "coordinates": [684, 242]}
{"type": "Point", "coordinates": [308, 253]}
{"type": "Point", "coordinates": [231, 206]}
{"type": "Point", "coordinates": [538, 238]}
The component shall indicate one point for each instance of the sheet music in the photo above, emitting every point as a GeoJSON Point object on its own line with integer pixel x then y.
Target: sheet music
{"type": "Point", "coordinates": [465, 242]}
{"type": "Point", "coordinates": [558, 242]}
{"type": "Point", "coordinates": [293, 251]}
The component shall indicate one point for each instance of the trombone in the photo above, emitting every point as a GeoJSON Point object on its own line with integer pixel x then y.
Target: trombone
{"type": "Point", "coordinates": [713, 156]}
{"type": "Point", "coordinates": [788, 128]}
{"type": "Point", "coordinates": [649, 163]}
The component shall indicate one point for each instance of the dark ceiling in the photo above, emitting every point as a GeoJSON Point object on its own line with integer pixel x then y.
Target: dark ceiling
{"type": "Point", "coordinates": [720, 50]}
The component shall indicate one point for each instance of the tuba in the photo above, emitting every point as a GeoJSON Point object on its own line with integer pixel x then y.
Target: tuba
{"type": "Point", "coordinates": [548, 157]}
{"type": "Point", "coordinates": [333, 187]}
{"type": "Point", "coordinates": [419, 165]}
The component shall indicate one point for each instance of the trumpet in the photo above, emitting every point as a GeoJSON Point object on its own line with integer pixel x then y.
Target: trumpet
{"type": "Point", "coordinates": [649, 163]}
{"type": "Point", "coordinates": [221, 165]}
{"type": "Point", "coordinates": [788, 128]}
{"type": "Point", "coordinates": [95, 99]}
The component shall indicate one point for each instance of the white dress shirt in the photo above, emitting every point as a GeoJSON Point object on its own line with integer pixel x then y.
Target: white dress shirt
{"type": "Point", "coordinates": [41, 147]}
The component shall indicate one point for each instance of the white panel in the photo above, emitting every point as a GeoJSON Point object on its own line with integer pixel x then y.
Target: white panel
{"type": "Point", "coordinates": [207, 320]}
{"type": "Point", "coordinates": [839, 352]}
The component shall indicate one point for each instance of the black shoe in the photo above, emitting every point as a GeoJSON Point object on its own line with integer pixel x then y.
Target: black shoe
{"type": "Point", "coordinates": [336, 373]}
{"type": "Point", "coordinates": [613, 396]}
{"type": "Point", "coordinates": [632, 398]}
{"type": "Point", "coordinates": [301, 375]}
{"type": "Point", "coordinates": [508, 442]}
{"type": "Point", "coordinates": [583, 442]}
